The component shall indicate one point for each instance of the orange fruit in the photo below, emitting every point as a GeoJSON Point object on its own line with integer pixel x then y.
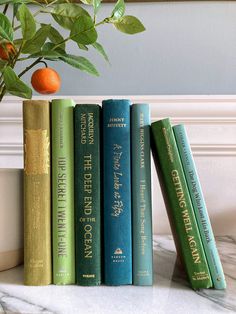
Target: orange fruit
{"type": "Point", "coordinates": [46, 81]}
{"type": "Point", "coordinates": [7, 50]}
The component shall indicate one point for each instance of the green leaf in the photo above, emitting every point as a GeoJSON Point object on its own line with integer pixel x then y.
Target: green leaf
{"type": "Point", "coordinates": [35, 43]}
{"type": "Point", "coordinates": [56, 37]}
{"type": "Point", "coordinates": [119, 10]}
{"type": "Point", "coordinates": [67, 13]}
{"type": "Point", "coordinates": [101, 50]}
{"type": "Point", "coordinates": [83, 31]}
{"type": "Point", "coordinates": [89, 2]}
{"type": "Point", "coordinates": [49, 52]}
{"type": "Point", "coordinates": [96, 5]}
{"type": "Point", "coordinates": [80, 63]}
{"type": "Point", "coordinates": [28, 25]}
{"type": "Point", "coordinates": [14, 85]}
{"type": "Point", "coordinates": [18, 1]}
{"type": "Point", "coordinates": [129, 25]}
{"type": "Point", "coordinates": [83, 47]}
{"type": "Point", "coordinates": [2, 65]}
{"type": "Point", "coordinates": [6, 31]}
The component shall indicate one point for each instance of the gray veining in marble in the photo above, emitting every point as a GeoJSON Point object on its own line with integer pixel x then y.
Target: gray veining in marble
{"type": "Point", "coordinates": [170, 293]}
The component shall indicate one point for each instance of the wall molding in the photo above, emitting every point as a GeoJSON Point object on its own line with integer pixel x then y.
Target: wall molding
{"type": "Point", "coordinates": [212, 114]}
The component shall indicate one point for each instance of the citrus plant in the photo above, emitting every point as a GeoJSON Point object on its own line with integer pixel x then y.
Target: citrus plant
{"type": "Point", "coordinates": [24, 38]}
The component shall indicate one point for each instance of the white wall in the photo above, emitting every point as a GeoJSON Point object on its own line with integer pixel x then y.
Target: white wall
{"type": "Point", "coordinates": [188, 48]}
{"type": "Point", "coordinates": [211, 126]}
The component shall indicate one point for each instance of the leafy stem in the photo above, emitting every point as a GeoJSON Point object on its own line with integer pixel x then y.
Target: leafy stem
{"type": "Point", "coordinates": [5, 9]}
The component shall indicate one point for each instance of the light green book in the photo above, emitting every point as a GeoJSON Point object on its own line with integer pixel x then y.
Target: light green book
{"type": "Point", "coordinates": [63, 191]}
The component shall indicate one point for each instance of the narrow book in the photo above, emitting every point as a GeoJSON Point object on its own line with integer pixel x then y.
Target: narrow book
{"type": "Point", "coordinates": [141, 195]}
{"type": "Point", "coordinates": [199, 207]}
{"type": "Point", "coordinates": [179, 205]}
{"type": "Point", "coordinates": [37, 193]}
{"type": "Point", "coordinates": [63, 191]}
{"type": "Point", "coordinates": [117, 192]}
{"type": "Point", "coordinates": [87, 194]}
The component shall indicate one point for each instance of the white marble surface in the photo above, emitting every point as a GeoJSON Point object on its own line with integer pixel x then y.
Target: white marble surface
{"type": "Point", "coordinates": [170, 294]}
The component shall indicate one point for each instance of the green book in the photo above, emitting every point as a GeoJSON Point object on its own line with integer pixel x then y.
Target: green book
{"type": "Point", "coordinates": [179, 206]}
{"type": "Point", "coordinates": [141, 195]}
{"type": "Point", "coordinates": [63, 191]}
{"type": "Point", "coordinates": [87, 194]}
{"type": "Point", "coordinates": [37, 193]}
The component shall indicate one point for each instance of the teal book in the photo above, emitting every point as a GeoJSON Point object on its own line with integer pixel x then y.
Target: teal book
{"type": "Point", "coordinates": [199, 207]}
{"type": "Point", "coordinates": [63, 191]}
{"type": "Point", "coordinates": [179, 205]}
{"type": "Point", "coordinates": [87, 194]}
{"type": "Point", "coordinates": [117, 192]}
{"type": "Point", "coordinates": [141, 195]}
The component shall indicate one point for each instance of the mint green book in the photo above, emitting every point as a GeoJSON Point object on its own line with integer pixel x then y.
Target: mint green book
{"type": "Point", "coordinates": [199, 207]}
{"type": "Point", "coordinates": [179, 205]}
{"type": "Point", "coordinates": [63, 191]}
{"type": "Point", "coordinates": [141, 195]}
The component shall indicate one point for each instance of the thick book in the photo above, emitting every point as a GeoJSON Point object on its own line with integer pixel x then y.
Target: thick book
{"type": "Point", "coordinates": [199, 207]}
{"type": "Point", "coordinates": [63, 191]}
{"type": "Point", "coordinates": [179, 206]}
{"type": "Point", "coordinates": [87, 194]}
{"type": "Point", "coordinates": [117, 192]}
{"type": "Point", "coordinates": [37, 193]}
{"type": "Point", "coordinates": [141, 195]}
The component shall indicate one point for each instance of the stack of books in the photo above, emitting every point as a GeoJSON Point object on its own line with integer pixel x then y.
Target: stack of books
{"type": "Point", "coordinates": [79, 162]}
{"type": "Point", "coordinates": [87, 190]}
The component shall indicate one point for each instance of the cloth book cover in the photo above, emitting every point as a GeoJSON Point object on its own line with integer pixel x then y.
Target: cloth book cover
{"type": "Point", "coordinates": [87, 194]}
{"type": "Point", "coordinates": [141, 195]}
{"type": "Point", "coordinates": [179, 206]}
{"type": "Point", "coordinates": [63, 191]}
{"type": "Point", "coordinates": [199, 207]}
{"type": "Point", "coordinates": [117, 192]}
{"type": "Point", "coordinates": [37, 193]}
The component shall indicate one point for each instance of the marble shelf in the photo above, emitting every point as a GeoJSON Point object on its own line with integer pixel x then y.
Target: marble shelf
{"type": "Point", "coordinates": [170, 293]}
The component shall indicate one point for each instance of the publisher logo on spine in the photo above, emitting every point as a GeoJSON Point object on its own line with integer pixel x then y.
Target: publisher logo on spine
{"type": "Point", "coordinates": [118, 256]}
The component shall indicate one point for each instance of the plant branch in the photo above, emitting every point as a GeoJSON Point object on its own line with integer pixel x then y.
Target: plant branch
{"type": "Point", "coordinates": [5, 9]}
{"type": "Point", "coordinates": [30, 66]}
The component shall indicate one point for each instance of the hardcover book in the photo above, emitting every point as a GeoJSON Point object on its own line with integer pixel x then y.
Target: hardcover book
{"type": "Point", "coordinates": [199, 207]}
{"type": "Point", "coordinates": [117, 192]}
{"type": "Point", "coordinates": [141, 195]}
{"type": "Point", "coordinates": [63, 191]}
{"type": "Point", "coordinates": [87, 194]}
{"type": "Point", "coordinates": [179, 205]}
{"type": "Point", "coordinates": [37, 193]}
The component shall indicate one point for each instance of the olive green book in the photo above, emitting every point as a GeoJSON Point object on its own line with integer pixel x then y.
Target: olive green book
{"type": "Point", "coordinates": [179, 206]}
{"type": "Point", "coordinates": [87, 194]}
{"type": "Point", "coordinates": [63, 191]}
{"type": "Point", "coordinates": [37, 193]}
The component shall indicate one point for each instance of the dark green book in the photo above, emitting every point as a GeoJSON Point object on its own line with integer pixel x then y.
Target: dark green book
{"type": "Point", "coordinates": [87, 194]}
{"type": "Point", "coordinates": [63, 191]}
{"type": "Point", "coordinates": [179, 206]}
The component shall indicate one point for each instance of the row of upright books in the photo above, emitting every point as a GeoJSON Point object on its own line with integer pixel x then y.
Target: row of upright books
{"type": "Point", "coordinates": [87, 190]}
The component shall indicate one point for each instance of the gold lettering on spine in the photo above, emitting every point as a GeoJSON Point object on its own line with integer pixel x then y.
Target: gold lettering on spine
{"type": "Point", "coordinates": [87, 206]}
{"type": "Point", "coordinates": [185, 216]}
{"type": "Point", "coordinates": [61, 211]}
{"type": "Point", "coordinates": [37, 148]}
{"type": "Point", "coordinates": [118, 205]}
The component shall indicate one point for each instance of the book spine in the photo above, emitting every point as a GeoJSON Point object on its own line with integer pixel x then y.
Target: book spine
{"type": "Point", "coordinates": [117, 192]}
{"type": "Point", "coordinates": [141, 195]}
{"type": "Point", "coordinates": [37, 193]}
{"type": "Point", "coordinates": [87, 194]}
{"type": "Point", "coordinates": [199, 207]}
{"type": "Point", "coordinates": [63, 191]}
{"type": "Point", "coordinates": [179, 205]}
